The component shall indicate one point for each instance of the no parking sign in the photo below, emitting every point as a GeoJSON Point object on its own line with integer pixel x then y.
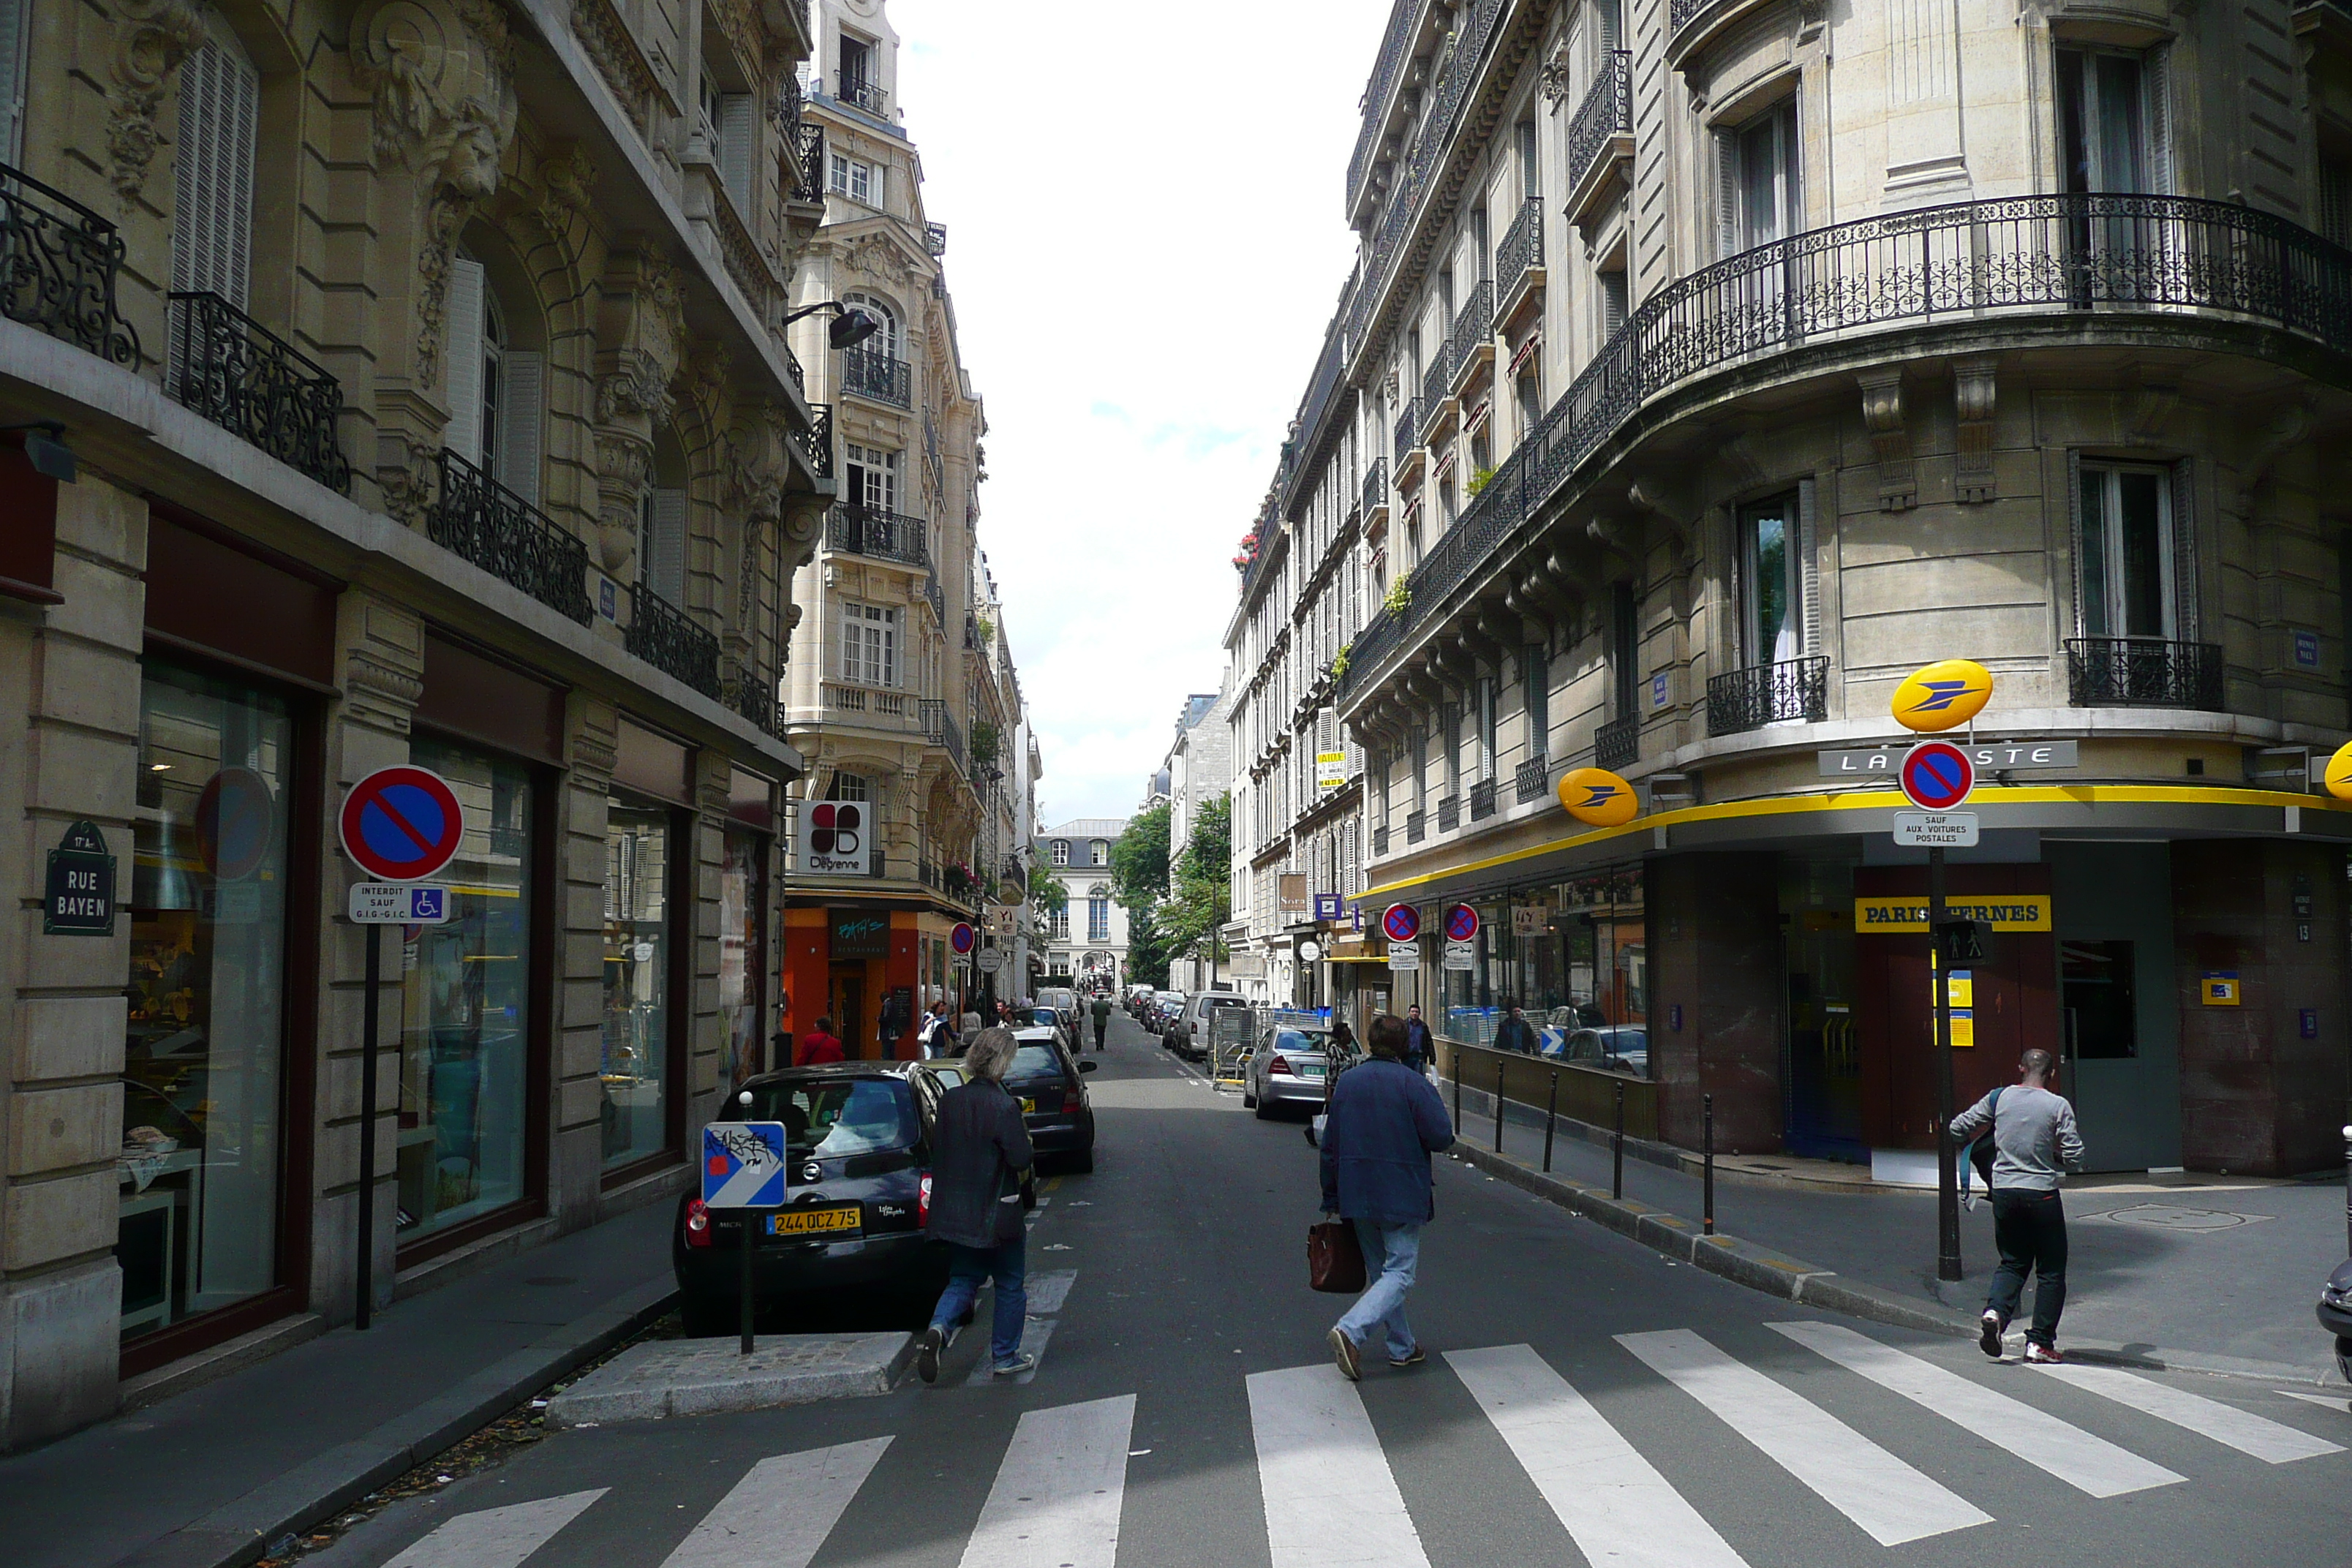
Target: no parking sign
{"type": "Point", "coordinates": [401, 823]}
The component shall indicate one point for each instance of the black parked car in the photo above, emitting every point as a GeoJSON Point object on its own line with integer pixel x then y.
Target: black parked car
{"type": "Point", "coordinates": [858, 1155]}
{"type": "Point", "coordinates": [1046, 1078]}
{"type": "Point", "coordinates": [2336, 1316]}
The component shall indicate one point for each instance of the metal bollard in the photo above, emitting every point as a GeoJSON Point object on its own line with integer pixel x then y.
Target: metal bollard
{"type": "Point", "coordinates": [1617, 1149]}
{"type": "Point", "coordinates": [1457, 1095]}
{"type": "Point", "coordinates": [1551, 1118]}
{"type": "Point", "coordinates": [1706, 1107]}
{"type": "Point", "coordinates": [1498, 1107]}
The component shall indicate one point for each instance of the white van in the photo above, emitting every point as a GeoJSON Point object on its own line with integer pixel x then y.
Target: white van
{"type": "Point", "coordinates": [1190, 1036]}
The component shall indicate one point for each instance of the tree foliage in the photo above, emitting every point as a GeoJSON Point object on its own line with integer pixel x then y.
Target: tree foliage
{"type": "Point", "coordinates": [1139, 861]}
{"type": "Point", "coordinates": [1148, 948]}
{"type": "Point", "coordinates": [1200, 899]}
{"type": "Point", "coordinates": [1045, 891]}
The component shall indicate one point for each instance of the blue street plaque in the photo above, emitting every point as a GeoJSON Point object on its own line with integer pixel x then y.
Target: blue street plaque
{"type": "Point", "coordinates": [743, 1165]}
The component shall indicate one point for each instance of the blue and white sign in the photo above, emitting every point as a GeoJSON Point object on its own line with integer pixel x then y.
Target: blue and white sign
{"type": "Point", "coordinates": [399, 904]}
{"type": "Point", "coordinates": [743, 1165]}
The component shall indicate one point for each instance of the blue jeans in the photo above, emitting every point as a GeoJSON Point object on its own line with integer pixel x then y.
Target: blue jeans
{"type": "Point", "coordinates": [1007, 1264]}
{"type": "Point", "coordinates": [1395, 1251]}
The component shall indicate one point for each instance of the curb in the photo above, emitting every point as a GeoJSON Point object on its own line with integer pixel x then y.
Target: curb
{"type": "Point", "coordinates": [659, 1380]}
{"type": "Point", "coordinates": [238, 1532]}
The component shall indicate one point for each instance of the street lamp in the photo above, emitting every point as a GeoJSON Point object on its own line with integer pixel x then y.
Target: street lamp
{"type": "Point", "coordinates": [849, 326]}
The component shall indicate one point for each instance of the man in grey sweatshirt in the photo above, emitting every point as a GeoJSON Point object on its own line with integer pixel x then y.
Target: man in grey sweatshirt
{"type": "Point", "coordinates": [2034, 1145]}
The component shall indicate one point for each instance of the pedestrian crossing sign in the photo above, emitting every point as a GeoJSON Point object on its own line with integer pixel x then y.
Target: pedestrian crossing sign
{"type": "Point", "coordinates": [743, 1165]}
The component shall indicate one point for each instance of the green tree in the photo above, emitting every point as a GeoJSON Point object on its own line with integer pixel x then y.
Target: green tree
{"type": "Point", "coordinates": [1045, 891]}
{"type": "Point", "coordinates": [1148, 948]}
{"type": "Point", "coordinates": [1139, 861]}
{"type": "Point", "coordinates": [1200, 900]}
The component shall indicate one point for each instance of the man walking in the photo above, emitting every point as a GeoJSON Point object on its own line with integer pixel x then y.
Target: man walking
{"type": "Point", "coordinates": [1383, 1124]}
{"type": "Point", "coordinates": [1515, 1033]}
{"type": "Point", "coordinates": [2034, 1145]}
{"type": "Point", "coordinates": [979, 1160]}
{"type": "Point", "coordinates": [1102, 1017]}
{"type": "Point", "coordinates": [1420, 1050]}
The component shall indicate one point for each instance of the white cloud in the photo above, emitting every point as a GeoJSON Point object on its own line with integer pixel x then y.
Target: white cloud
{"type": "Point", "coordinates": [1145, 243]}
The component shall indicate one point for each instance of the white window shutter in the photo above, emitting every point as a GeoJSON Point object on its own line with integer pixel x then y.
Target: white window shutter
{"type": "Point", "coordinates": [2074, 536]}
{"type": "Point", "coordinates": [14, 15]}
{"type": "Point", "coordinates": [1727, 194]}
{"type": "Point", "coordinates": [1809, 569]}
{"type": "Point", "coordinates": [522, 378]}
{"type": "Point", "coordinates": [665, 572]}
{"type": "Point", "coordinates": [2156, 87]}
{"type": "Point", "coordinates": [212, 220]}
{"type": "Point", "coordinates": [736, 122]}
{"type": "Point", "coordinates": [463, 314]}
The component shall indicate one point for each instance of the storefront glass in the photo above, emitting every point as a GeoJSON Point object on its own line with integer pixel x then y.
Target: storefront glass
{"type": "Point", "coordinates": [465, 1008]}
{"type": "Point", "coordinates": [1581, 976]}
{"type": "Point", "coordinates": [741, 944]}
{"type": "Point", "coordinates": [636, 1054]}
{"type": "Point", "coordinates": [204, 1067]}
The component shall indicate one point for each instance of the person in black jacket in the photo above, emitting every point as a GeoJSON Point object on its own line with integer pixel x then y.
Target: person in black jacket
{"type": "Point", "coordinates": [1515, 1033]}
{"type": "Point", "coordinates": [979, 1162]}
{"type": "Point", "coordinates": [1420, 1048]}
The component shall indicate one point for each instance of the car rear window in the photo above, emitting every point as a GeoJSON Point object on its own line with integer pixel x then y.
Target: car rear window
{"type": "Point", "coordinates": [1292, 1040]}
{"type": "Point", "coordinates": [1035, 1061]}
{"type": "Point", "coordinates": [837, 1116]}
{"type": "Point", "coordinates": [1037, 1017]}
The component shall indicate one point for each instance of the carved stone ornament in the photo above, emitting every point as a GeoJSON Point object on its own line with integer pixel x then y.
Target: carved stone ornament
{"type": "Point", "coordinates": [403, 471]}
{"type": "Point", "coordinates": [373, 690]}
{"type": "Point", "coordinates": [1555, 76]}
{"type": "Point", "coordinates": [878, 255]}
{"type": "Point", "coordinates": [624, 462]}
{"type": "Point", "coordinates": [1882, 413]}
{"type": "Point", "coordinates": [638, 387]}
{"type": "Point", "coordinates": [1973, 395]}
{"type": "Point", "coordinates": [567, 187]}
{"type": "Point", "coordinates": [152, 37]}
{"type": "Point", "coordinates": [759, 465]}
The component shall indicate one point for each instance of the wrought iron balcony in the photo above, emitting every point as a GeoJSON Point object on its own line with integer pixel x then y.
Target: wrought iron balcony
{"type": "Point", "coordinates": [1618, 744]}
{"type": "Point", "coordinates": [1449, 813]}
{"type": "Point", "coordinates": [1474, 329]}
{"type": "Point", "coordinates": [1375, 486]}
{"type": "Point", "coordinates": [1606, 113]}
{"type": "Point", "coordinates": [1529, 781]}
{"type": "Point", "coordinates": [1416, 826]}
{"type": "Point", "coordinates": [59, 263]}
{"type": "Point", "coordinates": [890, 535]}
{"type": "Point", "coordinates": [1521, 252]}
{"type": "Point", "coordinates": [1482, 800]}
{"type": "Point", "coordinates": [879, 375]}
{"type": "Point", "coordinates": [808, 163]}
{"type": "Point", "coordinates": [936, 596]}
{"type": "Point", "coordinates": [1380, 839]}
{"type": "Point", "coordinates": [660, 634]}
{"type": "Point", "coordinates": [755, 697]}
{"type": "Point", "coordinates": [1742, 700]}
{"type": "Point", "coordinates": [940, 728]}
{"type": "Point", "coordinates": [253, 384]}
{"type": "Point", "coordinates": [480, 520]}
{"type": "Point", "coordinates": [817, 439]}
{"type": "Point", "coordinates": [1408, 428]}
{"type": "Point", "coordinates": [1403, 23]}
{"type": "Point", "coordinates": [1436, 379]}
{"type": "Point", "coordinates": [2143, 672]}
{"type": "Point", "coordinates": [859, 93]}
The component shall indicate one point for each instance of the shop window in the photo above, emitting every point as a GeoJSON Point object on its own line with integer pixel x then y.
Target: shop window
{"type": "Point", "coordinates": [742, 947]}
{"type": "Point", "coordinates": [2095, 978]}
{"type": "Point", "coordinates": [466, 1008]}
{"type": "Point", "coordinates": [636, 1056]}
{"type": "Point", "coordinates": [2125, 544]}
{"type": "Point", "coordinates": [1768, 581]}
{"type": "Point", "coordinates": [203, 1132]}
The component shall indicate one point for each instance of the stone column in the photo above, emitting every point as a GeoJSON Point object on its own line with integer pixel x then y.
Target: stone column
{"type": "Point", "coordinates": [591, 729]}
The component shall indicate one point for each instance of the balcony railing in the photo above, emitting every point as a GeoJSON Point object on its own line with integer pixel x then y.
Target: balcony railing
{"type": "Point", "coordinates": [937, 599]}
{"type": "Point", "coordinates": [859, 93]}
{"type": "Point", "coordinates": [891, 535]}
{"type": "Point", "coordinates": [253, 384]}
{"type": "Point", "coordinates": [755, 699]}
{"type": "Point", "coordinates": [1376, 485]}
{"type": "Point", "coordinates": [1529, 779]}
{"type": "Point", "coordinates": [808, 162]}
{"type": "Point", "coordinates": [817, 439]}
{"type": "Point", "coordinates": [1416, 826]}
{"type": "Point", "coordinates": [1402, 23]}
{"type": "Point", "coordinates": [1380, 839]}
{"type": "Point", "coordinates": [2142, 672]}
{"type": "Point", "coordinates": [1473, 325]}
{"type": "Point", "coordinates": [1449, 813]}
{"type": "Point", "coordinates": [1522, 250]}
{"type": "Point", "coordinates": [1618, 744]}
{"type": "Point", "coordinates": [1408, 428]}
{"type": "Point", "coordinates": [660, 634]}
{"type": "Point", "coordinates": [2112, 256]}
{"type": "Point", "coordinates": [1606, 113]}
{"type": "Point", "coordinates": [59, 263]}
{"type": "Point", "coordinates": [940, 728]}
{"type": "Point", "coordinates": [1482, 800]}
{"type": "Point", "coordinates": [879, 375]}
{"type": "Point", "coordinates": [482, 520]}
{"type": "Point", "coordinates": [1742, 700]}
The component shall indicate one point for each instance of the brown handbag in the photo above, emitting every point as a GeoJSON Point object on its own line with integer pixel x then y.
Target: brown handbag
{"type": "Point", "coordinates": [1334, 1261]}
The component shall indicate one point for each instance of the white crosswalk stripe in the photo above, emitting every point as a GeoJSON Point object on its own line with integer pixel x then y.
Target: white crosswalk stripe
{"type": "Point", "coordinates": [781, 1512]}
{"type": "Point", "coordinates": [1617, 1507]}
{"type": "Point", "coordinates": [497, 1537]}
{"type": "Point", "coordinates": [2272, 1442]}
{"type": "Point", "coordinates": [1886, 1498]}
{"type": "Point", "coordinates": [1331, 1501]}
{"type": "Point", "coordinates": [2087, 1463]}
{"type": "Point", "coordinates": [1057, 1498]}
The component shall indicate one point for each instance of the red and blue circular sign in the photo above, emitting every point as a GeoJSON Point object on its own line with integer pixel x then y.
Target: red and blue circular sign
{"type": "Point", "coordinates": [1460, 923]}
{"type": "Point", "coordinates": [964, 939]}
{"type": "Point", "coordinates": [1401, 923]}
{"type": "Point", "coordinates": [1936, 775]}
{"type": "Point", "coordinates": [401, 825]}
{"type": "Point", "coordinates": [237, 823]}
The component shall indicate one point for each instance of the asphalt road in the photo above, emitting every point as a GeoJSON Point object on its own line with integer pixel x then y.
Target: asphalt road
{"type": "Point", "coordinates": [1586, 1401]}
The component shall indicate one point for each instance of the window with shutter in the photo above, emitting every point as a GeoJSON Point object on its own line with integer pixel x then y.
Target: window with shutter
{"type": "Point", "coordinates": [220, 114]}
{"type": "Point", "coordinates": [463, 314]}
{"type": "Point", "coordinates": [736, 123]}
{"type": "Point", "coordinates": [13, 16]}
{"type": "Point", "coordinates": [661, 554]}
{"type": "Point", "coordinates": [521, 411]}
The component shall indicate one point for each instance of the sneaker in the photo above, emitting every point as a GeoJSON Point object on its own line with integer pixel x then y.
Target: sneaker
{"type": "Point", "coordinates": [927, 1355]}
{"type": "Point", "coordinates": [2042, 1356]}
{"type": "Point", "coordinates": [1414, 1358]}
{"type": "Point", "coordinates": [1989, 1330]}
{"type": "Point", "coordinates": [1020, 1362]}
{"type": "Point", "coordinates": [1343, 1351]}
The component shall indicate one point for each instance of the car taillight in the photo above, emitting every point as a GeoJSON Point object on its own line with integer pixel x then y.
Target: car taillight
{"type": "Point", "coordinates": [1280, 1065]}
{"type": "Point", "coordinates": [1070, 1101]}
{"type": "Point", "coordinates": [697, 1223]}
{"type": "Point", "coordinates": [923, 1204]}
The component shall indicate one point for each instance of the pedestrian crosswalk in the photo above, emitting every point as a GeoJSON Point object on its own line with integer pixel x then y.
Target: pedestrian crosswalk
{"type": "Point", "coordinates": [1331, 1497]}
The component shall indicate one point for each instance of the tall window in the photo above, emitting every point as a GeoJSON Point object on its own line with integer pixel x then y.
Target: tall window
{"type": "Point", "coordinates": [847, 786]}
{"type": "Point", "coordinates": [1535, 674]}
{"type": "Point", "coordinates": [1625, 651]}
{"type": "Point", "coordinates": [496, 389]}
{"type": "Point", "coordinates": [1767, 581]}
{"type": "Point", "coordinates": [2127, 587]}
{"type": "Point", "coordinates": [885, 341]}
{"type": "Point", "coordinates": [728, 122]}
{"type": "Point", "coordinates": [1759, 188]}
{"type": "Point", "coordinates": [1530, 174]}
{"type": "Point", "coordinates": [1099, 914]}
{"type": "Point", "coordinates": [869, 644]}
{"type": "Point", "coordinates": [220, 114]}
{"type": "Point", "coordinates": [1486, 706]}
{"type": "Point", "coordinates": [856, 63]}
{"type": "Point", "coordinates": [853, 178]}
{"type": "Point", "coordinates": [873, 476]}
{"type": "Point", "coordinates": [661, 542]}
{"type": "Point", "coordinates": [1615, 300]}
{"type": "Point", "coordinates": [1098, 853]}
{"type": "Point", "coordinates": [2110, 106]}
{"type": "Point", "coordinates": [1061, 851]}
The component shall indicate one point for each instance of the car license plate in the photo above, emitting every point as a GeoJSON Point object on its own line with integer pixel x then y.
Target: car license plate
{"type": "Point", "coordinates": [1028, 1108]}
{"type": "Point", "coordinates": [842, 1219]}
{"type": "Point", "coordinates": [1311, 1069]}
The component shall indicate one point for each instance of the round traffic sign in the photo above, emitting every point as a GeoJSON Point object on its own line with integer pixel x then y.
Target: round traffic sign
{"type": "Point", "coordinates": [1938, 696]}
{"type": "Point", "coordinates": [962, 938]}
{"type": "Point", "coordinates": [236, 820]}
{"type": "Point", "coordinates": [1401, 923]}
{"type": "Point", "coordinates": [1460, 923]}
{"type": "Point", "coordinates": [401, 825]}
{"type": "Point", "coordinates": [1936, 775]}
{"type": "Point", "coordinates": [1598, 797]}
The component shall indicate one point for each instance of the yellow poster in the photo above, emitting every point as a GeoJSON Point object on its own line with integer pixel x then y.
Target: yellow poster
{"type": "Point", "coordinates": [1964, 1029]}
{"type": "Point", "coordinates": [2006, 911]}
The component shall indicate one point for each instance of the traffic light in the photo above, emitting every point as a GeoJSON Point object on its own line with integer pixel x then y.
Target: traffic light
{"type": "Point", "coordinates": [1962, 940]}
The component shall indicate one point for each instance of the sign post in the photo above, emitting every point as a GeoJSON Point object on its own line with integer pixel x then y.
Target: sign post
{"type": "Point", "coordinates": [743, 1169]}
{"type": "Point", "coordinates": [399, 825]}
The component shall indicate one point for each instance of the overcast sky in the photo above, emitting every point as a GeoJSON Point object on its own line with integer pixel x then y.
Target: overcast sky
{"type": "Point", "coordinates": [1145, 242]}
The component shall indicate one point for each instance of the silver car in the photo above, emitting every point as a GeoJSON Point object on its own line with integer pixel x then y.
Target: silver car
{"type": "Point", "coordinates": [1288, 1068]}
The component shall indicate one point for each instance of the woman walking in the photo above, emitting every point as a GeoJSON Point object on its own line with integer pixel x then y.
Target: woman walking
{"type": "Point", "coordinates": [980, 1163]}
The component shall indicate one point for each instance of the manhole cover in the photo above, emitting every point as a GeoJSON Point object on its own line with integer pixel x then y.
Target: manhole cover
{"type": "Point", "coordinates": [552, 1279]}
{"type": "Point", "coordinates": [2164, 1217]}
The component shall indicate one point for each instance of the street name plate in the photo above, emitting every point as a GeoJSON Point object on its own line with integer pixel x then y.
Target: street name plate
{"type": "Point", "coordinates": [1989, 756]}
{"type": "Point", "coordinates": [1935, 829]}
{"type": "Point", "coordinates": [1404, 956]}
{"type": "Point", "coordinates": [399, 904]}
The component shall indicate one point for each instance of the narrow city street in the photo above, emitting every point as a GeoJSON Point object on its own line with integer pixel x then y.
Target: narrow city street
{"type": "Point", "coordinates": [1585, 1401]}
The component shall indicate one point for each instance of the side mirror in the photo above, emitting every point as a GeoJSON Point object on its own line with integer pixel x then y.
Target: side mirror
{"type": "Point", "coordinates": [1088, 1067]}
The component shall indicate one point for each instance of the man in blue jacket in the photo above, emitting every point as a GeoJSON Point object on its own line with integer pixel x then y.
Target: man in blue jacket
{"type": "Point", "coordinates": [1383, 1122]}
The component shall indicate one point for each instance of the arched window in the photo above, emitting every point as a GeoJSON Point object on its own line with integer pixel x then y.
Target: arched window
{"type": "Point", "coordinates": [885, 341]}
{"type": "Point", "coordinates": [1061, 851]}
{"type": "Point", "coordinates": [497, 390]}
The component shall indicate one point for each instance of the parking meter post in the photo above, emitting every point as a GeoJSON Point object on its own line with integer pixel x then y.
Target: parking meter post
{"type": "Point", "coordinates": [363, 1308]}
{"type": "Point", "coordinates": [751, 1220]}
{"type": "Point", "coordinates": [1499, 1105]}
{"type": "Point", "coordinates": [1707, 1112]}
{"type": "Point", "coordinates": [1948, 1184]}
{"type": "Point", "coordinates": [1551, 1119]}
{"type": "Point", "coordinates": [1617, 1150]}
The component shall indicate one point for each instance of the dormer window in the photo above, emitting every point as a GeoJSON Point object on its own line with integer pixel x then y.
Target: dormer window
{"type": "Point", "coordinates": [1098, 853]}
{"type": "Point", "coordinates": [1061, 851]}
